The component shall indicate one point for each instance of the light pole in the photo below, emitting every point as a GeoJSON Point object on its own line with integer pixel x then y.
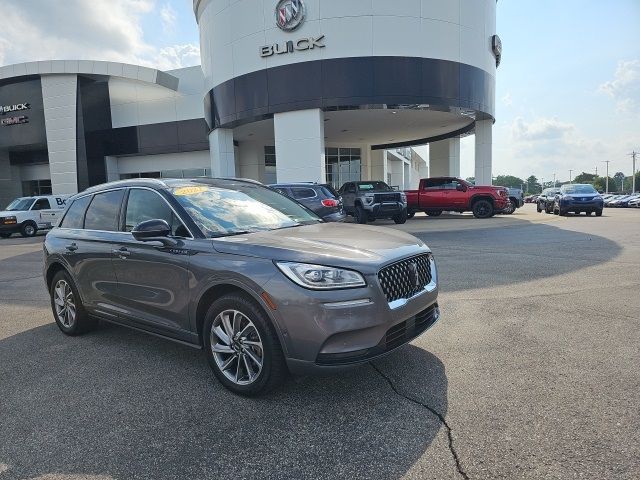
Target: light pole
{"type": "Point", "coordinates": [607, 177]}
{"type": "Point", "coordinates": [633, 173]}
{"type": "Point", "coordinates": [570, 172]}
{"type": "Point", "coordinates": [554, 180]}
{"type": "Point", "coordinates": [541, 184]}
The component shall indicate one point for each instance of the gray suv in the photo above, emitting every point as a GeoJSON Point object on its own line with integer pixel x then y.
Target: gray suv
{"type": "Point", "coordinates": [260, 283]}
{"type": "Point", "coordinates": [367, 201]}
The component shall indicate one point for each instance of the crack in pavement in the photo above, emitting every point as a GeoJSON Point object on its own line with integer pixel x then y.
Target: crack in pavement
{"type": "Point", "coordinates": [440, 417]}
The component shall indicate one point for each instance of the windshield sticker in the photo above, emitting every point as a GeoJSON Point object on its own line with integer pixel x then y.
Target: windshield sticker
{"type": "Point", "coordinates": [186, 191]}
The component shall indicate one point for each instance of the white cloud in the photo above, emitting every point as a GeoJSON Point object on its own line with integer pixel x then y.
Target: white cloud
{"type": "Point", "coordinates": [507, 99]}
{"type": "Point", "coordinates": [168, 16]}
{"type": "Point", "coordinates": [539, 129]}
{"type": "Point", "coordinates": [81, 29]}
{"type": "Point", "coordinates": [625, 86]}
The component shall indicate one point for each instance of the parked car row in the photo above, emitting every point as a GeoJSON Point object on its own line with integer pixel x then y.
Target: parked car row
{"type": "Point", "coordinates": [575, 198]}
{"type": "Point", "coordinates": [618, 201]}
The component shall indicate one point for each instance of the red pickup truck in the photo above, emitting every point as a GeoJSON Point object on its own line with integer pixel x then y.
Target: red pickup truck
{"type": "Point", "coordinates": [439, 194]}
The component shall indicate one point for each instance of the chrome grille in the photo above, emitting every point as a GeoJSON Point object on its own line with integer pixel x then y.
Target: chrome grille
{"type": "Point", "coordinates": [405, 278]}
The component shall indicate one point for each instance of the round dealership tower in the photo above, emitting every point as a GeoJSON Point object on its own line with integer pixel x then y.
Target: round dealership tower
{"type": "Point", "coordinates": [329, 90]}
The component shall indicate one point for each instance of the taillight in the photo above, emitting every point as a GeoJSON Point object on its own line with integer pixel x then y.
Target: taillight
{"type": "Point", "coordinates": [330, 202]}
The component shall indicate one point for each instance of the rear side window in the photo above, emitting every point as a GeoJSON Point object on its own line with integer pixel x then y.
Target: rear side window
{"type": "Point", "coordinates": [300, 193]}
{"type": "Point", "coordinates": [42, 204]}
{"type": "Point", "coordinates": [75, 215]}
{"type": "Point", "coordinates": [434, 184]}
{"type": "Point", "coordinates": [103, 212]}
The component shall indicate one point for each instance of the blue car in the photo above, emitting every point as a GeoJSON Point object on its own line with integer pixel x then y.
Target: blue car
{"type": "Point", "coordinates": [578, 198]}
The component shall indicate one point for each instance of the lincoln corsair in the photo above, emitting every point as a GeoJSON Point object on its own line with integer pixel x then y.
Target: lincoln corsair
{"type": "Point", "coordinates": [256, 280]}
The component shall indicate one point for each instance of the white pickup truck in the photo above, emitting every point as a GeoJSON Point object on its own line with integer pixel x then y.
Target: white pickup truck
{"type": "Point", "coordinates": [27, 215]}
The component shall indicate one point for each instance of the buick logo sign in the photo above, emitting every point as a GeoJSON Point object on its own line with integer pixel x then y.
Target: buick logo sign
{"type": "Point", "coordinates": [290, 14]}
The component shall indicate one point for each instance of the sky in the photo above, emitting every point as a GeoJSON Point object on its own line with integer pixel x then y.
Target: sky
{"type": "Point", "coordinates": [567, 94]}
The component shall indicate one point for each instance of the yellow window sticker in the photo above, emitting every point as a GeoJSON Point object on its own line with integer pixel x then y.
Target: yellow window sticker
{"type": "Point", "coordinates": [185, 191]}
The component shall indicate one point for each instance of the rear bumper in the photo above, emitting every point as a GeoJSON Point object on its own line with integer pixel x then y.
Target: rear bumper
{"type": "Point", "coordinates": [335, 217]}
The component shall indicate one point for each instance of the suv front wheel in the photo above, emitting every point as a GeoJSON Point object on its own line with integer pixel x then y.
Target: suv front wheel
{"type": "Point", "coordinates": [401, 217]}
{"type": "Point", "coordinates": [67, 307]}
{"type": "Point", "coordinates": [361, 215]}
{"type": "Point", "coordinates": [242, 347]}
{"type": "Point", "coordinates": [483, 209]}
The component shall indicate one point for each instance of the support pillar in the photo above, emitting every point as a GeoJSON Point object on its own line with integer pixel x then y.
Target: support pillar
{"type": "Point", "coordinates": [60, 98]}
{"type": "Point", "coordinates": [300, 148]}
{"type": "Point", "coordinates": [223, 162]}
{"type": "Point", "coordinates": [484, 144]}
{"type": "Point", "coordinates": [444, 158]}
{"type": "Point", "coordinates": [379, 167]}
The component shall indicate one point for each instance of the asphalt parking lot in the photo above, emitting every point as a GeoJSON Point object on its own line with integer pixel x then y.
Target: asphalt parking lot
{"type": "Point", "coordinates": [532, 372]}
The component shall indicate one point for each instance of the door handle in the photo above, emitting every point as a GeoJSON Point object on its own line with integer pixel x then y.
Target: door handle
{"type": "Point", "coordinates": [72, 247]}
{"type": "Point", "coordinates": [121, 252]}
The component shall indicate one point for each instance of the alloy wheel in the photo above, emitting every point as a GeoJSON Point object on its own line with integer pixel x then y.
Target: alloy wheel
{"type": "Point", "coordinates": [64, 303]}
{"type": "Point", "coordinates": [237, 347]}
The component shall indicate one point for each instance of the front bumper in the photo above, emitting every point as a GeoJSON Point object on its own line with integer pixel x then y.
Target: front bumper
{"type": "Point", "coordinates": [323, 331]}
{"type": "Point", "coordinates": [385, 210]}
{"type": "Point", "coordinates": [574, 205]}
{"type": "Point", "coordinates": [11, 228]}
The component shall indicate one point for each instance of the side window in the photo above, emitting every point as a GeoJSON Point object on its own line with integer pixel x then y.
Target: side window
{"type": "Point", "coordinates": [146, 205]}
{"type": "Point", "coordinates": [434, 184]}
{"type": "Point", "coordinates": [41, 204]}
{"type": "Point", "coordinates": [74, 218]}
{"type": "Point", "coordinates": [350, 188]}
{"type": "Point", "coordinates": [103, 211]}
{"type": "Point", "coordinates": [301, 193]}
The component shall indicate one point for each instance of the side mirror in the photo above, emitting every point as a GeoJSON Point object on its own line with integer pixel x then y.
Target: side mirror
{"type": "Point", "coordinates": [461, 188]}
{"type": "Point", "coordinates": [153, 231]}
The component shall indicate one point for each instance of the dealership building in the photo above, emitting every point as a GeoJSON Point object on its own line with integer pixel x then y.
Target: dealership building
{"type": "Point", "coordinates": [290, 90]}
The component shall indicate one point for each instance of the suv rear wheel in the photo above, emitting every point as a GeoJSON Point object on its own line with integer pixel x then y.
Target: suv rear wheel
{"type": "Point", "coordinates": [67, 307]}
{"type": "Point", "coordinates": [242, 347]}
{"type": "Point", "coordinates": [483, 209]}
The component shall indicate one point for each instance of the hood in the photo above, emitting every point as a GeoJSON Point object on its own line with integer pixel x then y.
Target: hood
{"type": "Point", "coordinates": [325, 243]}
{"type": "Point", "coordinates": [5, 213]}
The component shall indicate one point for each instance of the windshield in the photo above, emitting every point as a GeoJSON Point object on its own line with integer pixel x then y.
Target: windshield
{"type": "Point", "coordinates": [242, 208]}
{"type": "Point", "coordinates": [20, 205]}
{"type": "Point", "coordinates": [370, 186]}
{"type": "Point", "coordinates": [578, 189]}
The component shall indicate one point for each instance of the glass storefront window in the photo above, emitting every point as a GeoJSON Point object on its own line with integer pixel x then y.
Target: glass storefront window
{"type": "Point", "coordinates": [343, 165]}
{"type": "Point", "coordinates": [36, 187]}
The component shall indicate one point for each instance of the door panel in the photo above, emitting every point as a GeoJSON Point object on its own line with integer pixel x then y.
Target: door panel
{"type": "Point", "coordinates": [152, 282]}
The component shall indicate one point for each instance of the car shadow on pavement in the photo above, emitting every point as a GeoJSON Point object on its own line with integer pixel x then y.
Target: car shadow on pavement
{"type": "Point", "coordinates": [120, 404]}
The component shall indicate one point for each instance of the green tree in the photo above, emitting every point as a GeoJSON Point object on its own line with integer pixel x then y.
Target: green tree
{"type": "Point", "coordinates": [600, 184]}
{"type": "Point", "coordinates": [532, 184]}
{"type": "Point", "coordinates": [585, 177]}
{"type": "Point", "coordinates": [508, 181]}
{"type": "Point", "coordinates": [471, 180]}
{"type": "Point", "coordinates": [619, 178]}
{"type": "Point", "coordinates": [628, 184]}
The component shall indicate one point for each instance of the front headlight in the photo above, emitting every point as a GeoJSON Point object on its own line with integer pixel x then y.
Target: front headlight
{"type": "Point", "coordinates": [319, 277]}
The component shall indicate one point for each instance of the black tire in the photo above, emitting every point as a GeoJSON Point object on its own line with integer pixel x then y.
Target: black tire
{"type": "Point", "coordinates": [483, 209]}
{"type": "Point", "coordinates": [539, 208]}
{"type": "Point", "coordinates": [361, 215]}
{"type": "Point", "coordinates": [411, 214]}
{"type": "Point", "coordinates": [28, 229]}
{"type": "Point", "coordinates": [82, 322]}
{"type": "Point", "coordinates": [598, 213]}
{"type": "Point", "coordinates": [274, 369]}
{"type": "Point", "coordinates": [511, 208]}
{"type": "Point", "coordinates": [401, 217]}
{"type": "Point", "coordinates": [547, 209]}
{"type": "Point", "coordinates": [5, 235]}
{"type": "Point", "coordinates": [433, 213]}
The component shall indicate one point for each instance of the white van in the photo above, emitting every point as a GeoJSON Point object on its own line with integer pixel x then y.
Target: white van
{"type": "Point", "coordinates": [27, 215]}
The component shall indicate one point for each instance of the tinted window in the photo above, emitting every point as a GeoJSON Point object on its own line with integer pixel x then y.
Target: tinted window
{"type": "Point", "coordinates": [146, 205]}
{"type": "Point", "coordinates": [42, 204]}
{"type": "Point", "coordinates": [299, 193]}
{"type": "Point", "coordinates": [74, 217]}
{"type": "Point", "coordinates": [103, 211]}
{"type": "Point", "coordinates": [578, 189]}
{"type": "Point", "coordinates": [434, 183]}
{"type": "Point", "coordinates": [381, 186]}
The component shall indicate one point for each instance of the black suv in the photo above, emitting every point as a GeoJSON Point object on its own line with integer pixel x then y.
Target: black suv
{"type": "Point", "coordinates": [322, 199]}
{"type": "Point", "coordinates": [546, 200]}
